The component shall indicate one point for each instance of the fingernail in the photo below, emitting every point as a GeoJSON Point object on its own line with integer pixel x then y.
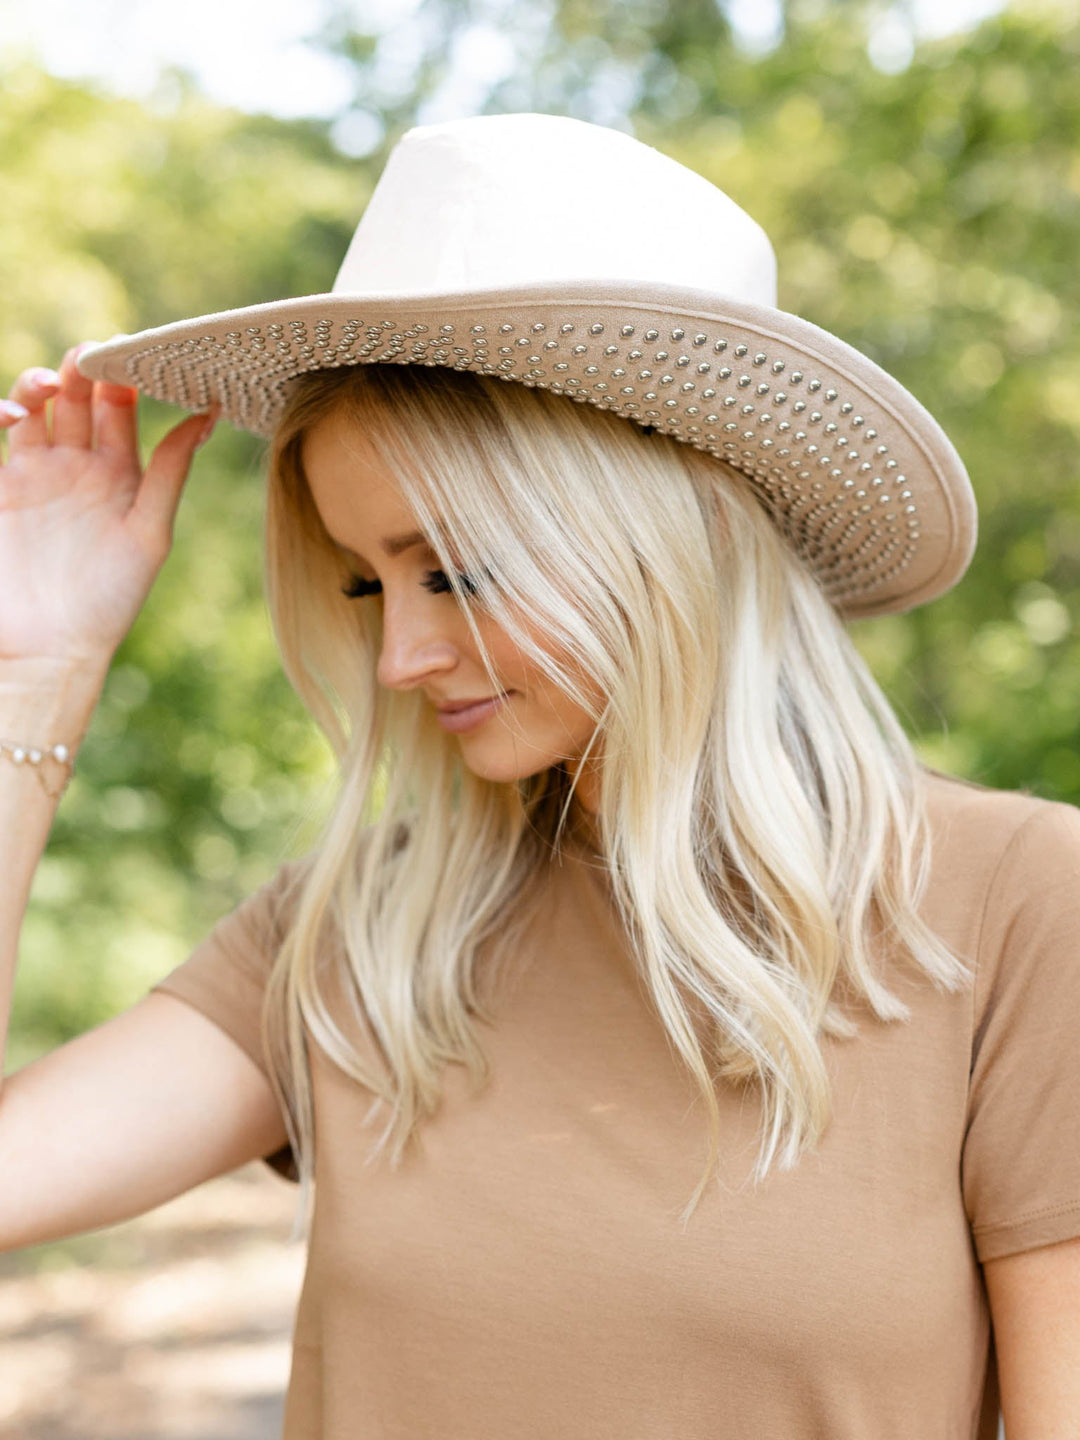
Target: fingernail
{"type": "Point", "coordinates": [208, 429]}
{"type": "Point", "coordinates": [43, 377]}
{"type": "Point", "coordinates": [14, 409]}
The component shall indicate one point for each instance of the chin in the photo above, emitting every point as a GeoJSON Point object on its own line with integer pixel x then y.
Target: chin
{"type": "Point", "coordinates": [492, 762]}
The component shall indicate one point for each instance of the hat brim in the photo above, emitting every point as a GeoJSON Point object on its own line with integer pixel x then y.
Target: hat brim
{"type": "Point", "coordinates": [858, 475]}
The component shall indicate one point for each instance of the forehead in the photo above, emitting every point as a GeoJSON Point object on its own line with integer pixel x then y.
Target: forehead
{"type": "Point", "coordinates": [354, 493]}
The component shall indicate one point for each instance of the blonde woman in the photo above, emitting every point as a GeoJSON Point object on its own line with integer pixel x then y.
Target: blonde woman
{"type": "Point", "coordinates": [660, 1049]}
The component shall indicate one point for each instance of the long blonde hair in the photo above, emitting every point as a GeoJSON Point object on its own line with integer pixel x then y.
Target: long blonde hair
{"type": "Point", "coordinates": [760, 817]}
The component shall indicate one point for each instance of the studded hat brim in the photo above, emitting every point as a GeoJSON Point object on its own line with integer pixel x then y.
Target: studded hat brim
{"type": "Point", "coordinates": [857, 474]}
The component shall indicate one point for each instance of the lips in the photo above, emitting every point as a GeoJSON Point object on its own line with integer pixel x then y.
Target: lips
{"type": "Point", "coordinates": [453, 706]}
{"type": "Point", "coordinates": [466, 716]}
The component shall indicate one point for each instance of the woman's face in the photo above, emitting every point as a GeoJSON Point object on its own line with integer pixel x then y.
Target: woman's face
{"type": "Point", "coordinates": [426, 643]}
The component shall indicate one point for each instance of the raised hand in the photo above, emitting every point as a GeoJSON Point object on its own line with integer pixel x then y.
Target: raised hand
{"type": "Point", "coordinates": [84, 529]}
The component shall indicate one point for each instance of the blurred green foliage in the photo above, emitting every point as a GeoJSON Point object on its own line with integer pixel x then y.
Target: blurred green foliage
{"type": "Point", "coordinates": [928, 213]}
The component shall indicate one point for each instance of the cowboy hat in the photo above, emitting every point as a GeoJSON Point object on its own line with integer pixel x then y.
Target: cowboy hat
{"type": "Point", "coordinates": [551, 252]}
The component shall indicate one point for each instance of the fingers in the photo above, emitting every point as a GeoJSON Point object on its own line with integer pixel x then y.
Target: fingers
{"type": "Point", "coordinates": [32, 390]}
{"type": "Point", "coordinates": [159, 493]}
{"type": "Point", "coordinates": [81, 410]}
{"type": "Point", "coordinates": [114, 416]}
{"type": "Point", "coordinates": [72, 418]}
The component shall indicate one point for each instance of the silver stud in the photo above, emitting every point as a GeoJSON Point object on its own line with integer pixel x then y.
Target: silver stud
{"type": "Point", "coordinates": [566, 329]}
{"type": "Point", "coordinates": [700, 339]}
{"type": "Point", "coordinates": [652, 334]}
{"type": "Point", "coordinates": [760, 358]}
{"type": "Point", "coordinates": [626, 330]}
{"type": "Point", "coordinates": [597, 329]}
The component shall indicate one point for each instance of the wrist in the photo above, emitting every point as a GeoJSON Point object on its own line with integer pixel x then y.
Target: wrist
{"type": "Point", "coordinates": [46, 701]}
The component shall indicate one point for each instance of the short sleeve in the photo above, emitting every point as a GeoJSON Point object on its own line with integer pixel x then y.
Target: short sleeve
{"type": "Point", "coordinates": [1021, 1154]}
{"type": "Point", "coordinates": [225, 977]}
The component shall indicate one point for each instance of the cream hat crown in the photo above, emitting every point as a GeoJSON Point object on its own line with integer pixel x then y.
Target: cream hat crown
{"type": "Point", "coordinates": [555, 253]}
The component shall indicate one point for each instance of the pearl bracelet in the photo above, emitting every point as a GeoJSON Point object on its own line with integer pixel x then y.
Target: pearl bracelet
{"type": "Point", "coordinates": [35, 754]}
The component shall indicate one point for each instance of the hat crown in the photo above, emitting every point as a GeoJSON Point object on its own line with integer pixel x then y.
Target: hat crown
{"type": "Point", "coordinates": [500, 201]}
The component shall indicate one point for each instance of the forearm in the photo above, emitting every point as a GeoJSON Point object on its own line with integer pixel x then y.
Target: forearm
{"type": "Point", "coordinates": [42, 703]}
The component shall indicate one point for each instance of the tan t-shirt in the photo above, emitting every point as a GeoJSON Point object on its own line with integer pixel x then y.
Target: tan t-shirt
{"type": "Point", "coordinates": [524, 1273]}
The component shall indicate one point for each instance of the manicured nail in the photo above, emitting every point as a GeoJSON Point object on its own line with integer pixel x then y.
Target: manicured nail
{"type": "Point", "coordinates": [43, 377]}
{"type": "Point", "coordinates": [13, 410]}
{"type": "Point", "coordinates": [208, 429]}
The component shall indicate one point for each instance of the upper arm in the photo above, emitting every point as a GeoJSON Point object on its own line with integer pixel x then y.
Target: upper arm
{"type": "Point", "coordinates": [125, 1117]}
{"type": "Point", "coordinates": [1035, 1308]}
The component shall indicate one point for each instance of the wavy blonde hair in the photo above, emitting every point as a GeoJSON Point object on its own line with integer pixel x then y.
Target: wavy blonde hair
{"type": "Point", "coordinates": [760, 819]}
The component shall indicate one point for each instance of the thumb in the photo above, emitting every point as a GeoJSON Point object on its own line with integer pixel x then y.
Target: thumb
{"type": "Point", "coordinates": [160, 489]}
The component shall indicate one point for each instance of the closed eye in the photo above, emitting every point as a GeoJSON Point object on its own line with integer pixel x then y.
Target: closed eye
{"type": "Point", "coordinates": [358, 587]}
{"type": "Point", "coordinates": [434, 580]}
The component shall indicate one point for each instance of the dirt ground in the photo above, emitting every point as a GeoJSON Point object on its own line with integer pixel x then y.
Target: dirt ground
{"type": "Point", "coordinates": [177, 1324]}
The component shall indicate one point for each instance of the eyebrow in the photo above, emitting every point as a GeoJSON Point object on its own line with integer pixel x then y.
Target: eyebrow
{"type": "Point", "coordinates": [392, 545]}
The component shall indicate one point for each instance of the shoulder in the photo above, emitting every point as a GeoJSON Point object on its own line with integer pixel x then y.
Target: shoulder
{"type": "Point", "coordinates": [974, 827]}
{"type": "Point", "coordinates": [1005, 880]}
{"type": "Point", "coordinates": [1002, 864]}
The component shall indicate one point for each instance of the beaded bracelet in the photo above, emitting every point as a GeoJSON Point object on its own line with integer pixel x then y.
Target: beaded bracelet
{"type": "Point", "coordinates": [20, 754]}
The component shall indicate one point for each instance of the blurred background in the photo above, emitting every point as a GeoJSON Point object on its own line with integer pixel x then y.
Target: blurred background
{"type": "Point", "coordinates": [917, 166]}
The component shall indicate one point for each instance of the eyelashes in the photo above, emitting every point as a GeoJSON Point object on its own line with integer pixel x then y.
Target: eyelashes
{"type": "Point", "coordinates": [434, 581]}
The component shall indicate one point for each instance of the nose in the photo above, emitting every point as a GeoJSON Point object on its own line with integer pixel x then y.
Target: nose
{"type": "Point", "coordinates": [416, 643]}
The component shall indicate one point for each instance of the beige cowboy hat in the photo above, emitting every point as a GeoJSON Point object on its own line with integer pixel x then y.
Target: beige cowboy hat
{"type": "Point", "coordinates": [556, 253]}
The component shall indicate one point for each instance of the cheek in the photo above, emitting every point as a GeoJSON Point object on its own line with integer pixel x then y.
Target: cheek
{"type": "Point", "coordinates": [547, 703]}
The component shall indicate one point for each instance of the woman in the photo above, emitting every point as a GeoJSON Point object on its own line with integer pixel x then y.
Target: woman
{"type": "Point", "coordinates": [627, 840]}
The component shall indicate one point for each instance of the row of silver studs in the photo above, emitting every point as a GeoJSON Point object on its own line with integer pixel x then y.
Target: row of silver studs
{"type": "Point", "coordinates": [837, 495]}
